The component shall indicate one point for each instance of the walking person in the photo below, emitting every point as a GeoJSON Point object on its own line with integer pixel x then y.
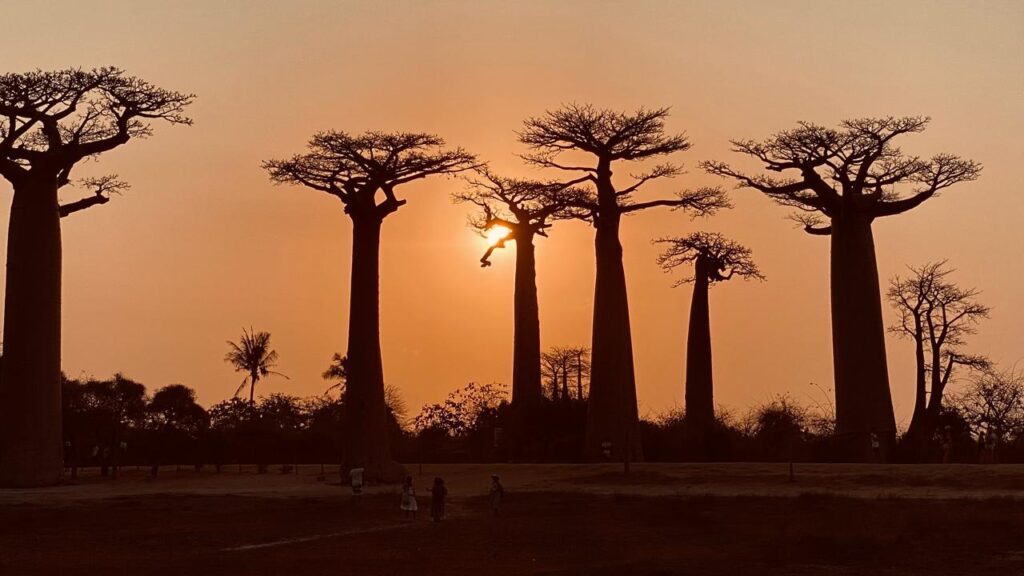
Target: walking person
{"type": "Point", "coordinates": [495, 494]}
{"type": "Point", "coordinates": [355, 477]}
{"type": "Point", "coordinates": [409, 506]}
{"type": "Point", "coordinates": [438, 492]}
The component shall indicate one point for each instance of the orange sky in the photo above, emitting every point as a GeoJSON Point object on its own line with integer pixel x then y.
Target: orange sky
{"type": "Point", "coordinates": [157, 280]}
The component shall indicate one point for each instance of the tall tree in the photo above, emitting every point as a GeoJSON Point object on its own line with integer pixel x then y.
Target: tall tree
{"type": "Point", "coordinates": [609, 138]}
{"type": "Point", "coordinates": [252, 355]}
{"type": "Point", "coordinates": [937, 315]}
{"type": "Point", "coordinates": [519, 210]}
{"type": "Point", "coordinates": [49, 123]}
{"type": "Point", "coordinates": [363, 172]}
{"type": "Point", "coordinates": [843, 180]}
{"type": "Point", "coordinates": [566, 367]}
{"type": "Point", "coordinates": [715, 259]}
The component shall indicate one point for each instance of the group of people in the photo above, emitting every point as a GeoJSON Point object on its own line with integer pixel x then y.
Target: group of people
{"type": "Point", "coordinates": [438, 495]}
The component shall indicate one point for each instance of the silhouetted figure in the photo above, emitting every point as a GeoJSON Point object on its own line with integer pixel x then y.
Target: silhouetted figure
{"type": "Point", "coordinates": [363, 172]}
{"type": "Point", "coordinates": [355, 478]}
{"type": "Point", "coordinates": [607, 139]}
{"type": "Point", "coordinates": [947, 445]}
{"type": "Point", "coordinates": [51, 122]}
{"type": "Point", "coordinates": [409, 506]}
{"type": "Point", "coordinates": [876, 445]}
{"type": "Point", "coordinates": [841, 181]}
{"type": "Point", "coordinates": [438, 493]}
{"type": "Point", "coordinates": [495, 495]}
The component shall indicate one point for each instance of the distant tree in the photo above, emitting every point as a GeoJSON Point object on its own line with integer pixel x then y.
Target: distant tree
{"type": "Point", "coordinates": [337, 372]}
{"type": "Point", "coordinates": [609, 139]}
{"type": "Point", "coordinates": [520, 210]}
{"type": "Point", "coordinates": [463, 410]}
{"type": "Point", "coordinates": [49, 123]}
{"type": "Point", "coordinates": [362, 172]}
{"type": "Point", "coordinates": [993, 403]}
{"type": "Point", "coordinates": [253, 355]}
{"type": "Point", "coordinates": [714, 259]}
{"type": "Point", "coordinates": [937, 315]}
{"type": "Point", "coordinates": [176, 422]}
{"type": "Point", "coordinates": [115, 405]}
{"type": "Point", "coordinates": [568, 367]}
{"type": "Point", "coordinates": [845, 179]}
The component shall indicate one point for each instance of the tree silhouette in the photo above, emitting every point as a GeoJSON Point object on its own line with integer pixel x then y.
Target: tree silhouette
{"type": "Point", "coordinates": [362, 172]}
{"type": "Point", "coordinates": [253, 356]}
{"type": "Point", "coordinates": [993, 402]}
{"type": "Point", "coordinates": [937, 315]}
{"type": "Point", "coordinates": [609, 138]}
{"type": "Point", "coordinates": [176, 422]}
{"type": "Point", "coordinates": [844, 179]}
{"type": "Point", "coordinates": [337, 372]}
{"type": "Point", "coordinates": [715, 259]}
{"type": "Point", "coordinates": [49, 123]}
{"type": "Point", "coordinates": [566, 367]}
{"type": "Point", "coordinates": [525, 208]}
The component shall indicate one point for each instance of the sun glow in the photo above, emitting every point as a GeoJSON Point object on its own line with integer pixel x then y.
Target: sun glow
{"type": "Point", "coordinates": [496, 234]}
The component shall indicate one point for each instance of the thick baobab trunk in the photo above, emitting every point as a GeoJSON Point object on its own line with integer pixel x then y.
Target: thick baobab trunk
{"type": "Point", "coordinates": [612, 409]}
{"type": "Point", "coordinates": [30, 394]}
{"type": "Point", "coordinates": [700, 404]}
{"type": "Point", "coordinates": [526, 379]}
{"type": "Point", "coordinates": [863, 400]}
{"type": "Point", "coordinates": [366, 440]}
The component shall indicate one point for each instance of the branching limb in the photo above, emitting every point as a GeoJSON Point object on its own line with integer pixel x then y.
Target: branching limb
{"type": "Point", "coordinates": [102, 188]}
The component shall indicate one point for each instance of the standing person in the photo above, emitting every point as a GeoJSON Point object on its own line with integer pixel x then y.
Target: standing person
{"type": "Point", "coordinates": [947, 445]}
{"type": "Point", "coordinates": [990, 446]}
{"type": "Point", "coordinates": [409, 499]}
{"type": "Point", "coordinates": [876, 446]}
{"type": "Point", "coordinates": [355, 477]}
{"type": "Point", "coordinates": [437, 495]}
{"type": "Point", "coordinates": [495, 494]}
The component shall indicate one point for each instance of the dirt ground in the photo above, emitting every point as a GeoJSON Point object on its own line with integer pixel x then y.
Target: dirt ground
{"type": "Point", "coordinates": [556, 519]}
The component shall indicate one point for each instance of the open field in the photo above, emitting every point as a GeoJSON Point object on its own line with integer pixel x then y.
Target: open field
{"type": "Point", "coordinates": [557, 519]}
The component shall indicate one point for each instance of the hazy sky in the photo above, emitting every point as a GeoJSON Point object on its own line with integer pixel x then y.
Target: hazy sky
{"type": "Point", "coordinates": [157, 280]}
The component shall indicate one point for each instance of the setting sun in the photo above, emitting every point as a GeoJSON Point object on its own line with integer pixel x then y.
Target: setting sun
{"type": "Point", "coordinates": [496, 234]}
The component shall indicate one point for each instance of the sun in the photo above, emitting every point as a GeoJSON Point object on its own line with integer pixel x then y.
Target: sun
{"type": "Point", "coordinates": [496, 234]}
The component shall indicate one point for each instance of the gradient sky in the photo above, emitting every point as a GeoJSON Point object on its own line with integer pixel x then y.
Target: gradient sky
{"type": "Point", "coordinates": [157, 280]}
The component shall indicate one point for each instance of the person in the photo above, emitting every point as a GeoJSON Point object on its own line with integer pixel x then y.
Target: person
{"type": "Point", "coordinates": [947, 445]}
{"type": "Point", "coordinates": [982, 448]}
{"type": "Point", "coordinates": [495, 494]}
{"type": "Point", "coordinates": [876, 445]}
{"type": "Point", "coordinates": [355, 477]}
{"type": "Point", "coordinates": [990, 446]}
{"type": "Point", "coordinates": [409, 499]}
{"type": "Point", "coordinates": [437, 495]}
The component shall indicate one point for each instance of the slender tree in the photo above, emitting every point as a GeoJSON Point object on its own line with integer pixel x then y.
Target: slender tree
{"type": "Point", "coordinates": [49, 123]}
{"type": "Point", "coordinates": [252, 355]}
{"type": "Point", "coordinates": [714, 259]}
{"type": "Point", "coordinates": [363, 172]}
{"type": "Point", "coordinates": [937, 315]}
{"type": "Point", "coordinates": [609, 138]}
{"type": "Point", "coordinates": [843, 180]}
{"type": "Point", "coordinates": [520, 210]}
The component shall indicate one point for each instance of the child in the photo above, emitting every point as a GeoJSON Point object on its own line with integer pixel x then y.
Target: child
{"type": "Point", "coordinates": [496, 493]}
{"type": "Point", "coordinates": [437, 495]}
{"type": "Point", "coordinates": [409, 499]}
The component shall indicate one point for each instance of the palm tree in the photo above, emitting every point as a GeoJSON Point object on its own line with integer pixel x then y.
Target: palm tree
{"type": "Point", "coordinates": [337, 373]}
{"type": "Point", "coordinates": [253, 355]}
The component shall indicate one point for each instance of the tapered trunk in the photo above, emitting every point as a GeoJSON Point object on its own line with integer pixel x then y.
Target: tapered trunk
{"type": "Point", "coordinates": [700, 404]}
{"type": "Point", "coordinates": [916, 432]}
{"type": "Point", "coordinates": [612, 409]}
{"type": "Point", "coordinates": [526, 377]}
{"type": "Point", "coordinates": [863, 400]}
{"type": "Point", "coordinates": [367, 431]}
{"type": "Point", "coordinates": [30, 394]}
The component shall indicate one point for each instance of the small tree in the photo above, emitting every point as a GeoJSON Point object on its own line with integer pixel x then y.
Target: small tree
{"type": "Point", "coordinates": [49, 123]}
{"type": "Point", "coordinates": [993, 403]}
{"type": "Point", "coordinates": [252, 355]}
{"type": "Point", "coordinates": [176, 422]}
{"type": "Point", "coordinates": [842, 181]}
{"type": "Point", "coordinates": [337, 372]}
{"type": "Point", "coordinates": [609, 139]}
{"type": "Point", "coordinates": [714, 259]}
{"type": "Point", "coordinates": [938, 316]}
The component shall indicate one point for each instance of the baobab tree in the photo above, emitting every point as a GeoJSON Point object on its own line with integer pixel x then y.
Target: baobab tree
{"type": "Point", "coordinates": [607, 139]}
{"type": "Point", "coordinates": [715, 259]}
{"type": "Point", "coordinates": [937, 315]}
{"type": "Point", "coordinates": [49, 123]}
{"type": "Point", "coordinates": [252, 355]}
{"type": "Point", "coordinates": [363, 171]}
{"type": "Point", "coordinates": [843, 180]}
{"type": "Point", "coordinates": [516, 210]}
{"type": "Point", "coordinates": [566, 367]}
